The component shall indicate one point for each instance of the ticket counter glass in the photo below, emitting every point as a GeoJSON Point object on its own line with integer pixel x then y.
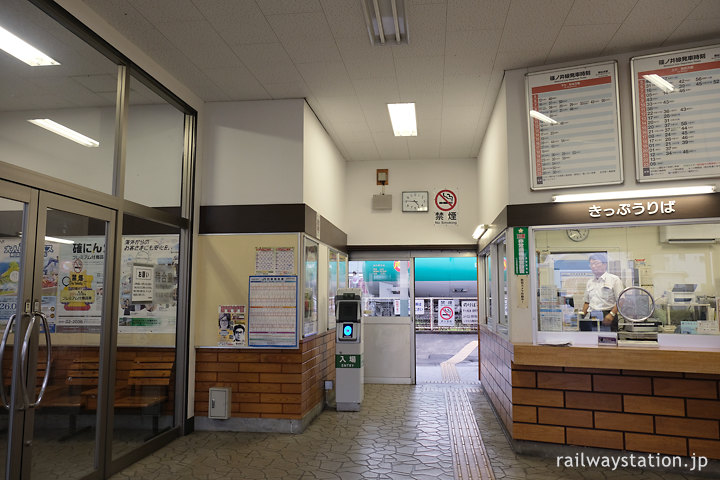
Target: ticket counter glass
{"type": "Point", "coordinates": [676, 264]}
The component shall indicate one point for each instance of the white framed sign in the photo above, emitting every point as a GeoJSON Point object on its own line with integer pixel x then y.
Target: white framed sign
{"type": "Point", "coordinates": [676, 110]}
{"type": "Point", "coordinates": [574, 127]}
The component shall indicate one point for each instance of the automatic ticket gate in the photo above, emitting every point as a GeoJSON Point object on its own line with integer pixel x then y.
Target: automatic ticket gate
{"type": "Point", "coordinates": [349, 349]}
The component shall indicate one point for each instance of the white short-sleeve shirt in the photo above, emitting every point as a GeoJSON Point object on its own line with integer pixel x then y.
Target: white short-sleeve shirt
{"type": "Point", "coordinates": [602, 293]}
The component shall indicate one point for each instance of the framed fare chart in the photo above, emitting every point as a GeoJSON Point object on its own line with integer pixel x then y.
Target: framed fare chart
{"type": "Point", "coordinates": [272, 311]}
{"type": "Point", "coordinates": [676, 107]}
{"type": "Point", "coordinates": [574, 127]}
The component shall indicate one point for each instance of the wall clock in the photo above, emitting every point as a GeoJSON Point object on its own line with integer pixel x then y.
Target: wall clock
{"type": "Point", "coordinates": [577, 234]}
{"type": "Point", "coordinates": [414, 201]}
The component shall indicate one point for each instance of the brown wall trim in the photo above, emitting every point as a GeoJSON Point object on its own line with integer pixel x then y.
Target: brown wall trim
{"type": "Point", "coordinates": [269, 218]}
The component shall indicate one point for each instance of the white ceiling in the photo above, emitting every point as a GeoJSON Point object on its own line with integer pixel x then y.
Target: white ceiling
{"type": "Point", "coordinates": [451, 68]}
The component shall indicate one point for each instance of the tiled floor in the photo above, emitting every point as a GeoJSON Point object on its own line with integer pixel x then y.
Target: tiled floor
{"type": "Point", "coordinates": [401, 432]}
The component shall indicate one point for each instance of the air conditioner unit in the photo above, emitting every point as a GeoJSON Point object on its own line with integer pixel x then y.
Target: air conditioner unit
{"type": "Point", "coordinates": [698, 233]}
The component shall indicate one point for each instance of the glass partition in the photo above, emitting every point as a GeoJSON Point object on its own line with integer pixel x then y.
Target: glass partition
{"type": "Point", "coordinates": [502, 314]}
{"type": "Point", "coordinates": [384, 285]}
{"type": "Point", "coordinates": [44, 108]}
{"type": "Point", "coordinates": [145, 367]}
{"type": "Point", "coordinates": [581, 273]}
{"type": "Point", "coordinates": [332, 286]}
{"type": "Point", "coordinates": [154, 147]}
{"type": "Point", "coordinates": [310, 287]}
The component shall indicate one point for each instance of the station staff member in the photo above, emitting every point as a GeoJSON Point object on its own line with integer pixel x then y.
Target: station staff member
{"type": "Point", "coordinates": [601, 294]}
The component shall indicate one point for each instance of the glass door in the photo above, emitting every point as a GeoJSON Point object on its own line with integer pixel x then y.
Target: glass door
{"type": "Point", "coordinates": [57, 259]}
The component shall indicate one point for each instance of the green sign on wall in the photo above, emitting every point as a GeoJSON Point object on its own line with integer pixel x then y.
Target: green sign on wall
{"type": "Point", "coordinates": [348, 361]}
{"type": "Point", "coordinates": [522, 259]}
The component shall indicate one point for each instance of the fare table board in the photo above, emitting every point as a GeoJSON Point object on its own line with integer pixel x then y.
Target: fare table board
{"type": "Point", "coordinates": [677, 122]}
{"type": "Point", "coordinates": [577, 141]}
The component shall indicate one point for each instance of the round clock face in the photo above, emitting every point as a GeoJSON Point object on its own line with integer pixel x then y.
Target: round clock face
{"type": "Point", "coordinates": [415, 201]}
{"type": "Point", "coordinates": [577, 234]}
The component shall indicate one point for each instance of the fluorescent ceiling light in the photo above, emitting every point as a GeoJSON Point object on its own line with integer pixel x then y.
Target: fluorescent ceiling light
{"type": "Point", "coordinates": [402, 116]}
{"type": "Point", "coordinates": [64, 131]}
{"type": "Point", "coordinates": [480, 231]}
{"type": "Point", "coordinates": [542, 118]}
{"type": "Point", "coordinates": [660, 82]}
{"type": "Point", "coordinates": [59, 240]}
{"type": "Point", "coordinates": [653, 192]}
{"type": "Point", "coordinates": [23, 51]}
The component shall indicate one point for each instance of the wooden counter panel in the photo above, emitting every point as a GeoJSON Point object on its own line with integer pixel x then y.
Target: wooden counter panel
{"type": "Point", "coordinates": [627, 358]}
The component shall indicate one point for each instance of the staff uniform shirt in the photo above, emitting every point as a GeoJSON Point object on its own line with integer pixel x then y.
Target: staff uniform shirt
{"type": "Point", "coordinates": [602, 293]}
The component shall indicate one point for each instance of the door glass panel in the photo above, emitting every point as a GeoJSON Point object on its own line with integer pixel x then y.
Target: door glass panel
{"type": "Point", "coordinates": [72, 295]}
{"type": "Point", "coordinates": [385, 286]}
{"type": "Point", "coordinates": [145, 368]}
{"type": "Point", "coordinates": [79, 94]}
{"type": "Point", "coordinates": [11, 264]}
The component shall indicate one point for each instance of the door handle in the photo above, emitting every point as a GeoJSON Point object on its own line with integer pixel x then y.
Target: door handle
{"type": "Point", "coordinates": [24, 356]}
{"type": "Point", "coordinates": [48, 359]}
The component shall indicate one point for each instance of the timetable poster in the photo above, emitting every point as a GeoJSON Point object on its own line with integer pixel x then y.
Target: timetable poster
{"type": "Point", "coordinates": [574, 127]}
{"type": "Point", "coordinates": [677, 114]}
{"type": "Point", "coordinates": [272, 311]}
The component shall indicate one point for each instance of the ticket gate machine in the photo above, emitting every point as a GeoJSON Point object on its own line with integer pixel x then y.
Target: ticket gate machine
{"type": "Point", "coordinates": [349, 349]}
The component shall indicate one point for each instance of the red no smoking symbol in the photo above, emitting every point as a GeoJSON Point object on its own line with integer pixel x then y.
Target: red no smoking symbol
{"type": "Point", "coordinates": [446, 313]}
{"type": "Point", "coordinates": [445, 200]}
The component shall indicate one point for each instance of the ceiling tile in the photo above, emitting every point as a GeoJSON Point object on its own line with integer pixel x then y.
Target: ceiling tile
{"type": "Point", "coordinates": [378, 89]}
{"type": "Point", "coordinates": [353, 132]}
{"type": "Point", "coordinates": [391, 147]}
{"type": "Point", "coordinates": [327, 79]}
{"type": "Point", "coordinates": [167, 10]}
{"type": "Point", "coordinates": [341, 109]}
{"type": "Point", "coordinates": [694, 30]}
{"type": "Point", "coordinates": [238, 83]}
{"type": "Point", "coordinates": [649, 24]}
{"type": "Point", "coordinates": [469, 15]}
{"type": "Point", "coordinates": [98, 83]}
{"type": "Point", "coordinates": [275, 7]}
{"type": "Point", "coordinates": [287, 90]}
{"type": "Point", "coordinates": [469, 52]}
{"type": "Point", "coordinates": [706, 9]}
{"type": "Point", "coordinates": [426, 145]}
{"type": "Point", "coordinates": [269, 62]}
{"type": "Point", "coordinates": [200, 43]}
{"type": "Point", "coordinates": [594, 12]}
{"type": "Point", "coordinates": [581, 41]}
{"type": "Point", "coordinates": [237, 22]}
{"type": "Point", "coordinates": [416, 75]}
{"type": "Point", "coordinates": [346, 19]}
{"type": "Point", "coordinates": [533, 23]}
{"type": "Point", "coordinates": [361, 151]}
{"type": "Point", "coordinates": [426, 27]}
{"type": "Point", "coordinates": [464, 90]}
{"type": "Point", "coordinates": [364, 60]}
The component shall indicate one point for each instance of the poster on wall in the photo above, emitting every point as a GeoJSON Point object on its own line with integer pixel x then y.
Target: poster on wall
{"type": "Point", "coordinates": [81, 281]}
{"type": "Point", "coordinates": [574, 127]}
{"type": "Point", "coordinates": [446, 313]}
{"type": "Point", "coordinates": [232, 326]}
{"type": "Point", "coordinates": [676, 105]}
{"type": "Point", "coordinates": [10, 261]}
{"type": "Point", "coordinates": [272, 311]}
{"type": "Point", "coordinates": [469, 310]}
{"type": "Point", "coordinates": [274, 260]}
{"type": "Point", "coordinates": [148, 284]}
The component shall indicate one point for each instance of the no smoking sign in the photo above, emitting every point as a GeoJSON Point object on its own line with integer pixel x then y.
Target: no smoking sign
{"type": "Point", "coordinates": [446, 313]}
{"type": "Point", "coordinates": [445, 200]}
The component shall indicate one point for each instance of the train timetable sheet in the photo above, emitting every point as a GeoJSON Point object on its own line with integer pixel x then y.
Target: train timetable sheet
{"type": "Point", "coordinates": [273, 319]}
{"type": "Point", "coordinates": [677, 114]}
{"type": "Point", "coordinates": [574, 127]}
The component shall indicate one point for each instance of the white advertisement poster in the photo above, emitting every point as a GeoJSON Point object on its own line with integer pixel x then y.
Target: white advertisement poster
{"type": "Point", "coordinates": [446, 313]}
{"type": "Point", "coordinates": [469, 310]}
{"type": "Point", "coordinates": [419, 306]}
{"type": "Point", "coordinates": [148, 284]}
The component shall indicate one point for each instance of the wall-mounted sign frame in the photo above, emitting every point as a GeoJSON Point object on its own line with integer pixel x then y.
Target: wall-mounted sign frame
{"type": "Point", "coordinates": [576, 140]}
{"type": "Point", "coordinates": [676, 122]}
{"type": "Point", "coordinates": [272, 311]}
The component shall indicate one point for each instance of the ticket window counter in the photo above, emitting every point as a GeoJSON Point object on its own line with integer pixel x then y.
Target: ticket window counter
{"type": "Point", "coordinates": [678, 273]}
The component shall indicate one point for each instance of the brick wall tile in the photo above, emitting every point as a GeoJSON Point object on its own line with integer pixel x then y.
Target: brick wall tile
{"type": "Point", "coordinates": [240, 397]}
{"type": "Point", "coordinates": [522, 413]}
{"type": "Point", "coordinates": [685, 388]}
{"type": "Point", "coordinates": [534, 396]}
{"type": "Point", "coordinates": [622, 384]}
{"type": "Point", "coordinates": [538, 433]}
{"type": "Point", "coordinates": [205, 357]}
{"type": "Point", "coordinates": [649, 373]}
{"type": "Point", "coordinates": [259, 367]}
{"type": "Point", "coordinates": [595, 438]}
{"type": "Point", "coordinates": [703, 408]}
{"type": "Point", "coordinates": [280, 398]}
{"type": "Point", "coordinates": [238, 356]}
{"type": "Point", "coordinates": [280, 378]}
{"type": "Point", "coordinates": [654, 405]}
{"type": "Point", "coordinates": [705, 448]}
{"type": "Point", "coordinates": [687, 427]}
{"type": "Point", "coordinates": [523, 379]}
{"type": "Point", "coordinates": [565, 416]}
{"type": "Point", "coordinates": [216, 367]}
{"type": "Point", "coordinates": [237, 377]}
{"type": "Point", "coordinates": [205, 376]}
{"type": "Point", "coordinates": [596, 401]}
{"type": "Point", "coordinates": [260, 408]}
{"type": "Point", "coordinates": [258, 387]}
{"type": "Point", "coordinates": [642, 442]}
{"type": "Point", "coordinates": [703, 376]}
{"type": "Point", "coordinates": [565, 381]}
{"type": "Point", "coordinates": [627, 422]}
{"type": "Point", "coordinates": [606, 371]}
{"type": "Point", "coordinates": [280, 358]}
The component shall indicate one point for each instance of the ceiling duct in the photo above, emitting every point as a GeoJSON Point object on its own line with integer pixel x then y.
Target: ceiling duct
{"type": "Point", "coordinates": [386, 21]}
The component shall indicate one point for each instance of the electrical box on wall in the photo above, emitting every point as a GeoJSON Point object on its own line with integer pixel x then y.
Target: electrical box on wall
{"type": "Point", "coordinates": [220, 401]}
{"type": "Point", "coordinates": [382, 202]}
